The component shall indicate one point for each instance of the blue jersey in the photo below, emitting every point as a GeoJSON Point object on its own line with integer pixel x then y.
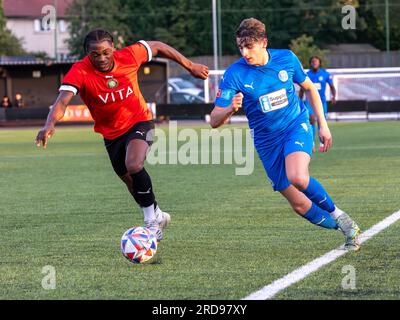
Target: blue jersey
{"type": "Point", "coordinates": [270, 101]}
{"type": "Point", "coordinates": [320, 79]}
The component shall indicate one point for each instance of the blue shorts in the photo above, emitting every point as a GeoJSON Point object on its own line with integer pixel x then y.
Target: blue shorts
{"type": "Point", "coordinates": [272, 156]}
{"type": "Point", "coordinates": [310, 110]}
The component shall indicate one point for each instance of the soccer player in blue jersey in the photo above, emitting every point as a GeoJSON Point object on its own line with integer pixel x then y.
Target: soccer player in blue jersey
{"type": "Point", "coordinates": [320, 77]}
{"type": "Point", "coordinates": [262, 83]}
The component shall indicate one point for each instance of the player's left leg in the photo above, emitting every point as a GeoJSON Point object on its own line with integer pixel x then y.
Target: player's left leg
{"type": "Point", "coordinates": [296, 164]}
{"type": "Point", "coordinates": [142, 188]}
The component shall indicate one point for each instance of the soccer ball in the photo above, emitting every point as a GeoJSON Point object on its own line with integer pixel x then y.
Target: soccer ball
{"type": "Point", "coordinates": [138, 244]}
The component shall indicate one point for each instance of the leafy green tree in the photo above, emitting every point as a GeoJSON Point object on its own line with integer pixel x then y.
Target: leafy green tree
{"type": "Point", "coordinates": [187, 24]}
{"type": "Point", "coordinates": [289, 19]}
{"type": "Point", "coordinates": [87, 15]}
{"type": "Point", "coordinates": [9, 44]}
{"type": "Point", "coordinates": [305, 48]}
{"type": "Point", "coordinates": [183, 24]}
{"type": "Point", "coordinates": [374, 13]}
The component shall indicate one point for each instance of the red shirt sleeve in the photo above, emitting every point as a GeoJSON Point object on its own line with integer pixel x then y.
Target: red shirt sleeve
{"type": "Point", "coordinates": [73, 80]}
{"type": "Point", "coordinates": [141, 52]}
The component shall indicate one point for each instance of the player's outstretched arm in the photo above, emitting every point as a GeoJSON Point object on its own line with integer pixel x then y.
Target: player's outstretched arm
{"type": "Point", "coordinates": [316, 104]}
{"type": "Point", "coordinates": [196, 70]}
{"type": "Point", "coordinates": [56, 113]}
{"type": "Point", "coordinates": [220, 115]}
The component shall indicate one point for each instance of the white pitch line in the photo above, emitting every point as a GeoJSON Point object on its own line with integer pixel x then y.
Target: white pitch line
{"type": "Point", "coordinates": [275, 287]}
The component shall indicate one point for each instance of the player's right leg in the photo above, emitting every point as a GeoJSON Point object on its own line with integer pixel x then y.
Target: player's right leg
{"type": "Point", "coordinates": [298, 153]}
{"type": "Point", "coordinates": [307, 209]}
{"type": "Point", "coordinates": [274, 164]}
{"type": "Point", "coordinates": [296, 164]}
{"type": "Point", "coordinates": [154, 218]}
{"type": "Point", "coordinates": [127, 154]}
{"type": "Point", "coordinates": [273, 160]}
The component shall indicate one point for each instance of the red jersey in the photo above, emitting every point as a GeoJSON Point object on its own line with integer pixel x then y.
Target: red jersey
{"type": "Point", "coordinates": [114, 98]}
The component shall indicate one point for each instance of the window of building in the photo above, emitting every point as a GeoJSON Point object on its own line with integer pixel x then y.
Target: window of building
{"type": "Point", "coordinates": [39, 27]}
{"type": "Point", "coordinates": [62, 26]}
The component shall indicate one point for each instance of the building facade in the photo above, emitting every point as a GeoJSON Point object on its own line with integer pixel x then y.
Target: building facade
{"type": "Point", "coordinates": [33, 25]}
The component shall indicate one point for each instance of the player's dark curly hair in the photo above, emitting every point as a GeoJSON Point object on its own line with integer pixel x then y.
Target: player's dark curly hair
{"type": "Point", "coordinates": [315, 57]}
{"type": "Point", "coordinates": [251, 30]}
{"type": "Point", "coordinates": [97, 35]}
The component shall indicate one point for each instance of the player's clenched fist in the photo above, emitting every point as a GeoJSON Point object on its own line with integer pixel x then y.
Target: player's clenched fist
{"type": "Point", "coordinates": [43, 135]}
{"type": "Point", "coordinates": [237, 101]}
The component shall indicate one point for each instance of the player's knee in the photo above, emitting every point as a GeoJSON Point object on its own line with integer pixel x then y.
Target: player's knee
{"type": "Point", "coordinates": [300, 181]}
{"type": "Point", "coordinates": [299, 208]}
{"type": "Point", "coordinates": [127, 179]}
{"type": "Point", "coordinates": [134, 166]}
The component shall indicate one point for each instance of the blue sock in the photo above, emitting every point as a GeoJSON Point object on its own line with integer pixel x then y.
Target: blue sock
{"type": "Point", "coordinates": [317, 194]}
{"type": "Point", "coordinates": [320, 217]}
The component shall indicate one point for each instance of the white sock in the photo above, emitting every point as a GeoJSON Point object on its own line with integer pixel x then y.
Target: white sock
{"type": "Point", "coordinates": [149, 214]}
{"type": "Point", "coordinates": [336, 213]}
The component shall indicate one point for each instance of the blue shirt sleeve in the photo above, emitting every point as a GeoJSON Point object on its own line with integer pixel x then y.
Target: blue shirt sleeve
{"type": "Point", "coordinates": [299, 75]}
{"type": "Point", "coordinates": [227, 89]}
{"type": "Point", "coordinates": [329, 78]}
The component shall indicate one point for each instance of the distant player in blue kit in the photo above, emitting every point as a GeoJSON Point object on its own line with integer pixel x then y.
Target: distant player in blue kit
{"type": "Point", "coordinates": [320, 77]}
{"type": "Point", "coordinates": [262, 82]}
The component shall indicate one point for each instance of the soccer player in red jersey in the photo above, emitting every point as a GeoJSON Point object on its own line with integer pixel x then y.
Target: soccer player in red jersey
{"type": "Point", "coordinates": [106, 80]}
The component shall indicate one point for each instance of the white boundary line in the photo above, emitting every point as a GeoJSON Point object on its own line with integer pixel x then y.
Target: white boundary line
{"type": "Point", "coordinates": [275, 287]}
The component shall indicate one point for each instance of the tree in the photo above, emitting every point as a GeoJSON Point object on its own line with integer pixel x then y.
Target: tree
{"type": "Point", "coordinates": [305, 48]}
{"type": "Point", "coordinates": [374, 13]}
{"type": "Point", "coordinates": [87, 15]}
{"type": "Point", "coordinates": [183, 24]}
{"type": "Point", "coordinates": [9, 44]}
{"type": "Point", "coordinates": [187, 24]}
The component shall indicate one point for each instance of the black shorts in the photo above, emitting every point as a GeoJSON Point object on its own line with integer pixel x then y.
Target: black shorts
{"type": "Point", "coordinates": [116, 148]}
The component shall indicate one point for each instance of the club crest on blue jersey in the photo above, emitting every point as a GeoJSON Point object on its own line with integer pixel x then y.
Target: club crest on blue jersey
{"type": "Point", "coordinates": [283, 75]}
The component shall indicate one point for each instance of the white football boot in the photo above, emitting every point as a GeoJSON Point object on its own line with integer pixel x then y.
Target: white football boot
{"type": "Point", "coordinates": [350, 230]}
{"type": "Point", "coordinates": [158, 225]}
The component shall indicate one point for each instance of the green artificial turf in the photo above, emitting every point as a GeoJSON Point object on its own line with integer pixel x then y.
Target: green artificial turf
{"type": "Point", "coordinates": [230, 235]}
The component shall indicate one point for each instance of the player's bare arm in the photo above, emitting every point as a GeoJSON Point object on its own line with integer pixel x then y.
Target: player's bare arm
{"type": "Point", "coordinates": [333, 93]}
{"type": "Point", "coordinates": [220, 115]}
{"type": "Point", "coordinates": [161, 49]}
{"type": "Point", "coordinates": [56, 113]}
{"type": "Point", "coordinates": [316, 104]}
